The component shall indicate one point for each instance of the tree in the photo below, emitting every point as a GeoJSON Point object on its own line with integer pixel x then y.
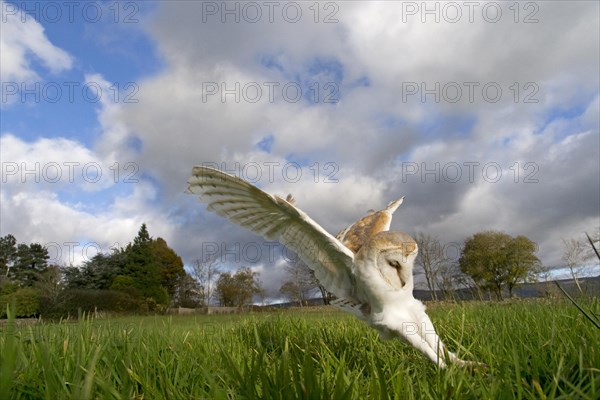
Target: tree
{"type": "Point", "coordinates": [150, 264]}
{"type": "Point", "coordinates": [205, 273]}
{"type": "Point", "coordinates": [573, 257]}
{"type": "Point", "coordinates": [466, 281]}
{"type": "Point", "coordinates": [124, 283]}
{"type": "Point", "coordinates": [495, 260]}
{"type": "Point", "coordinates": [483, 258]}
{"type": "Point", "coordinates": [8, 253]}
{"type": "Point", "coordinates": [522, 264]}
{"type": "Point", "coordinates": [226, 290]}
{"type": "Point", "coordinates": [142, 266]}
{"type": "Point", "coordinates": [143, 237]}
{"type": "Point", "coordinates": [291, 291]}
{"type": "Point", "coordinates": [237, 290]}
{"type": "Point", "coordinates": [447, 278]}
{"type": "Point", "coordinates": [170, 264]}
{"type": "Point", "coordinates": [49, 284]}
{"type": "Point", "coordinates": [577, 252]}
{"type": "Point", "coordinates": [100, 271]}
{"type": "Point", "coordinates": [301, 281]}
{"type": "Point", "coordinates": [31, 262]}
{"type": "Point", "coordinates": [188, 293]}
{"type": "Point", "coordinates": [304, 278]}
{"type": "Point", "coordinates": [431, 258]}
{"type": "Point", "coordinates": [72, 277]}
{"type": "Point", "coordinates": [25, 299]}
{"type": "Point", "coordinates": [147, 268]}
{"type": "Point", "coordinates": [248, 286]}
{"type": "Point", "coordinates": [593, 241]}
{"type": "Point", "coordinates": [96, 273]}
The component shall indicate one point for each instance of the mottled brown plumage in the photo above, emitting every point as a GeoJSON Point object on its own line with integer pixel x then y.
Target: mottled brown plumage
{"type": "Point", "coordinates": [357, 234]}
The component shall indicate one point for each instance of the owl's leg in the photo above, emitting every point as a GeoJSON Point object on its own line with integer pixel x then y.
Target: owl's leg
{"type": "Point", "coordinates": [429, 335]}
{"type": "Point", "coordinates": [409, 330]}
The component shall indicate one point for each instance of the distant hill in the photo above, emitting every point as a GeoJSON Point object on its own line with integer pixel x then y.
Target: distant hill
{"type": "Point", "coordinates": [590, 286]}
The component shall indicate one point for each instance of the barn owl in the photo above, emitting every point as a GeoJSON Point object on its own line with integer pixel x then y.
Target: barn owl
{"type": "Point", "coordinates": [368, 268]}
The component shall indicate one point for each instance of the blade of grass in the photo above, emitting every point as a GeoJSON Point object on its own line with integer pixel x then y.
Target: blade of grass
{"type": "Point", "coordinates": [584, 312]}
{"type": "Point", "coordinates": [593, 247]}
{"type": "Point", "coordinates": [9, 354]}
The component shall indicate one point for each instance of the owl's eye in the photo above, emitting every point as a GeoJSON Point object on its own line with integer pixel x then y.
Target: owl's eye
{"type": "Point", "coordinates": [394, 264]}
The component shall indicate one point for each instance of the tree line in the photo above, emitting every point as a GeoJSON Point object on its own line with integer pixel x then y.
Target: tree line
{"type": "Point", "coordinates": [146, 275]}
{"type": "Point", "coordinates": [493, 262]}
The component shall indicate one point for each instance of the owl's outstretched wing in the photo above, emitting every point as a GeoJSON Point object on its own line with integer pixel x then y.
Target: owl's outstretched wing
{"type": "Point", "coordinates": [276, 219]}
{"type": "Point", "coordinates": [357, 234]}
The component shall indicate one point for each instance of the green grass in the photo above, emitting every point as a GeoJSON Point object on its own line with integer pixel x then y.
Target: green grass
{"type": "Point", "coordinates": [536, 349]}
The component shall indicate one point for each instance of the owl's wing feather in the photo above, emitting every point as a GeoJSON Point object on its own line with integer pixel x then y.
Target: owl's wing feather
{"type": "Point", "coordinates": [276, 219]}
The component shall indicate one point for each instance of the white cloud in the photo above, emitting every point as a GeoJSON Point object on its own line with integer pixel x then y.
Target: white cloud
{"type": "Point", "coordinates": [372, 132]}
{"type": "Point", "coordinates": [74, 199]}
{"type": "Point", "coordinates": [53, 164]}
{"type": "Point", "coordinates": [114, 144]}
{"type": "Point", "coordinates": [22, 41]}
{"type": "Point", "coordinates": [73, 235]}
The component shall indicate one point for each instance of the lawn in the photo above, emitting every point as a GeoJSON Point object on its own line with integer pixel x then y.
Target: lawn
{"type": "Point", "coordinates": [534, 349]}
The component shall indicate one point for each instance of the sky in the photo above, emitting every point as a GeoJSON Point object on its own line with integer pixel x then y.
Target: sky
{"type": "Point", "coordinates": [484, 115]}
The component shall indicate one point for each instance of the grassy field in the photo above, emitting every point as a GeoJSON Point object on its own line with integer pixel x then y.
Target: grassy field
{"type": "Point", "coordinates": [534, 349]}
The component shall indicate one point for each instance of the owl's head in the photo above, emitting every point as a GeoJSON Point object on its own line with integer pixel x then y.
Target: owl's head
{"type": "Point", "coordinates": [389, 256]}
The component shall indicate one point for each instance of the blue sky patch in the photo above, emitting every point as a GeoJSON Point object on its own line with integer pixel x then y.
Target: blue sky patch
{"type": "Point", "coordinates": [94, 202]}
{"type": "Point", "coordinates": [570, 113]}
{"type": "Point", "coordinates": [322, 82]}
{"type": "Point", "coordinates": [318, 82]}
{"type": "Point", "coordinates": [266, 143]}
{"type": "Point", "coordinates": [297, 160]}
{"type": "Point", "coordinates": [332, 70]}
{"type": "Point", "coordinates": [447, 125]}
{"type": "Point", "coordinates": [63, 104]}
{"type": "Point", "coordinates": [363, 81]}
{"type": "Point", "coordinates": [387, 121]}
{"type": "Point", "coordinates": [271, 62]}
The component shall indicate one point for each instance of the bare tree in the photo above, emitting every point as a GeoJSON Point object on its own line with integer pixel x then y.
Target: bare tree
{"type": "Point", "coordinates": [549, 290]}
{"type": "Point", "coordinates": [463, 280]}
{"type": "Point", "coordinates": [431, 258]}
{"type": "Point", "coordinates": [574, 257]}
{"type": "Point", "coordinates": [578, 254]}
{"type": "Point", "coordinates": [206, 273]}
{"type": "Point", "coordinates": [593, 243]}
{"type": "Point", "coordinates": [50, 284]}
{"type": "Point", "coordinates": [261, 293]}
{"type": "Point", "coordinates": [291, 291]}
{"type": "Point", "coordinates": [448, 279]}
{"type": "Point", "coordinates": [301, 282]}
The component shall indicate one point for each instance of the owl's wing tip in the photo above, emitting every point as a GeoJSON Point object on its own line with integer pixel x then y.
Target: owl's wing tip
{"type": "Point", "coordinates": [393, 206]}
